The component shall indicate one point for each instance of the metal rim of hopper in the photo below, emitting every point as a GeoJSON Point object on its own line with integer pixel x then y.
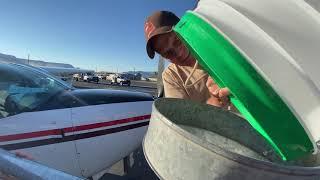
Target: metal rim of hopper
{"type": "Point", "coordinates": [246, 161]}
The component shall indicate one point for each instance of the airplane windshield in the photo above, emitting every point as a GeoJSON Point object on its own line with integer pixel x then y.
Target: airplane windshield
{"type": "Point", "coordinates": [24, 89]}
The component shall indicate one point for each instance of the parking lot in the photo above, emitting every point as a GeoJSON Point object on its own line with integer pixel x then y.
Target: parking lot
{"type": "Point", "coordinates": [138, 86]}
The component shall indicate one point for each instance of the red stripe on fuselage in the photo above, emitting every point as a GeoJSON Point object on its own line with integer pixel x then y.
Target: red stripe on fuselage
{"type": "Point", "coordinates": [13, 137]}
{"type": "Point", "coordinates": [105, 124]}
{"type": "Point", "coordinates": [28, 135]}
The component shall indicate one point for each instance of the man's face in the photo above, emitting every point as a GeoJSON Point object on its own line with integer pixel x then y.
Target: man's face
{"type": "Point", "coordinates": [169, 46]}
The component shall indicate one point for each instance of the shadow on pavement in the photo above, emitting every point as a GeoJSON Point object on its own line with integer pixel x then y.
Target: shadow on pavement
{"type": "Point", "coordinates": [136, 167]}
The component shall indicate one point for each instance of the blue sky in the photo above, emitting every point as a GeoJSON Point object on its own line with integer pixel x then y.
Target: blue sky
{"type": "Point", "coordinates": [102, 34]}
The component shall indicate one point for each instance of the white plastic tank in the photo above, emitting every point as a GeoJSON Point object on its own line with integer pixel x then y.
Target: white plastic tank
{"type": "Point", "coordinates": [280, 41]}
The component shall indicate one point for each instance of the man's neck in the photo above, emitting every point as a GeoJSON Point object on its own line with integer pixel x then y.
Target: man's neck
{"type": "Point", "coordinates": [192, 61]}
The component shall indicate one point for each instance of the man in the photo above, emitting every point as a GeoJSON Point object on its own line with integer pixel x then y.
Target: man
{"type": "Point", "coordinates": [183, 78]}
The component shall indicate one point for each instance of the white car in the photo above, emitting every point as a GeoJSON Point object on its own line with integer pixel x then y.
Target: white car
{"type": "Point", "coordinates": [121, 80]}
{"type": "Point", "coordinates": [90, 77]}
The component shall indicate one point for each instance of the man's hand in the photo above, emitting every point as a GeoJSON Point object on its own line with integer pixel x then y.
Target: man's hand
{"type": "Point", "coordinates": [219, 96]}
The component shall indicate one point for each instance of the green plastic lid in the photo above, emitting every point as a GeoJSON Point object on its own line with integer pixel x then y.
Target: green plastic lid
{"type": "Point", "coordinates": [256, 100]}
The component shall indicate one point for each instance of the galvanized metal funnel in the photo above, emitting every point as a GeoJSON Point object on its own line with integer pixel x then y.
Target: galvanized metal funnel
{"type": "Point", "coordinates": [187, 140]}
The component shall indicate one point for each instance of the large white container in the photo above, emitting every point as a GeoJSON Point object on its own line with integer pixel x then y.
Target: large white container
{"type": "Point", "coordinates": [280, 41]}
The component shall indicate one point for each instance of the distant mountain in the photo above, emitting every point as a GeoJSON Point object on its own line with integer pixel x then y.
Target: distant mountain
{"type": "Point", "coordinates": [145, 74]}
{"type": "Point", "coordinates": [13, 59]}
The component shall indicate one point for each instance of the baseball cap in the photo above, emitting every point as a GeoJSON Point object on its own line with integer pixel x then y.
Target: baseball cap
{"type": "Point", "coordinates": [160, 22]}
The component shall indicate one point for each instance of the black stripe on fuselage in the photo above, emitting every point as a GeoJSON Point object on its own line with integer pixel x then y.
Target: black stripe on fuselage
{"type": "Point", "coordinates": [44, 142]}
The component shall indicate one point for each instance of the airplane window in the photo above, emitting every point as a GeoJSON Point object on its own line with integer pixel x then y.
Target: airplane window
{"type": "Point", "coordinates": [3, 95]}
{"type": "Point", "coordinates": [23, 90]}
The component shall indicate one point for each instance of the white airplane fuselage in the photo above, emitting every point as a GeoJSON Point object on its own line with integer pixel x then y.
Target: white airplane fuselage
{"type": "Point", "coordinates": [80, 132]}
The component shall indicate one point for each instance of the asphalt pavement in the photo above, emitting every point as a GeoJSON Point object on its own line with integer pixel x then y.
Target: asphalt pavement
{"type": "Point", "coordinates": [138, 86]}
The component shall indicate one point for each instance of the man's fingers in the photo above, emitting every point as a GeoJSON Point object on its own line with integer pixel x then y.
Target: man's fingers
{"type": "Point", "coordinates": [214, 90]}
{"type": "Point", "coordinates": [214, 102]}
{"type": "Point", "coordinates": [219, 96]}
{"type": "Point", "coordinates": [225, 101]}
{"type": "Point", "coordinates": [224, 92]}
{"type": "Point", "coordinates": [210, 82]}
{"type": "Point", "coordinates": [212, 87]}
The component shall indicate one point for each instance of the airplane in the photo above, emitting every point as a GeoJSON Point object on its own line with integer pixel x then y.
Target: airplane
{"type": "Point", "coordinates": [77, 131]}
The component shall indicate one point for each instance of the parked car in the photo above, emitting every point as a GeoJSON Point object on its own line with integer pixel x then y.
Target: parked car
{"type": "Point", "coordinates": [121, 80]}
{"type": "Point", "coordinates": [90, 78]}
{"type": "Point", "coordinates": [76, 77]}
